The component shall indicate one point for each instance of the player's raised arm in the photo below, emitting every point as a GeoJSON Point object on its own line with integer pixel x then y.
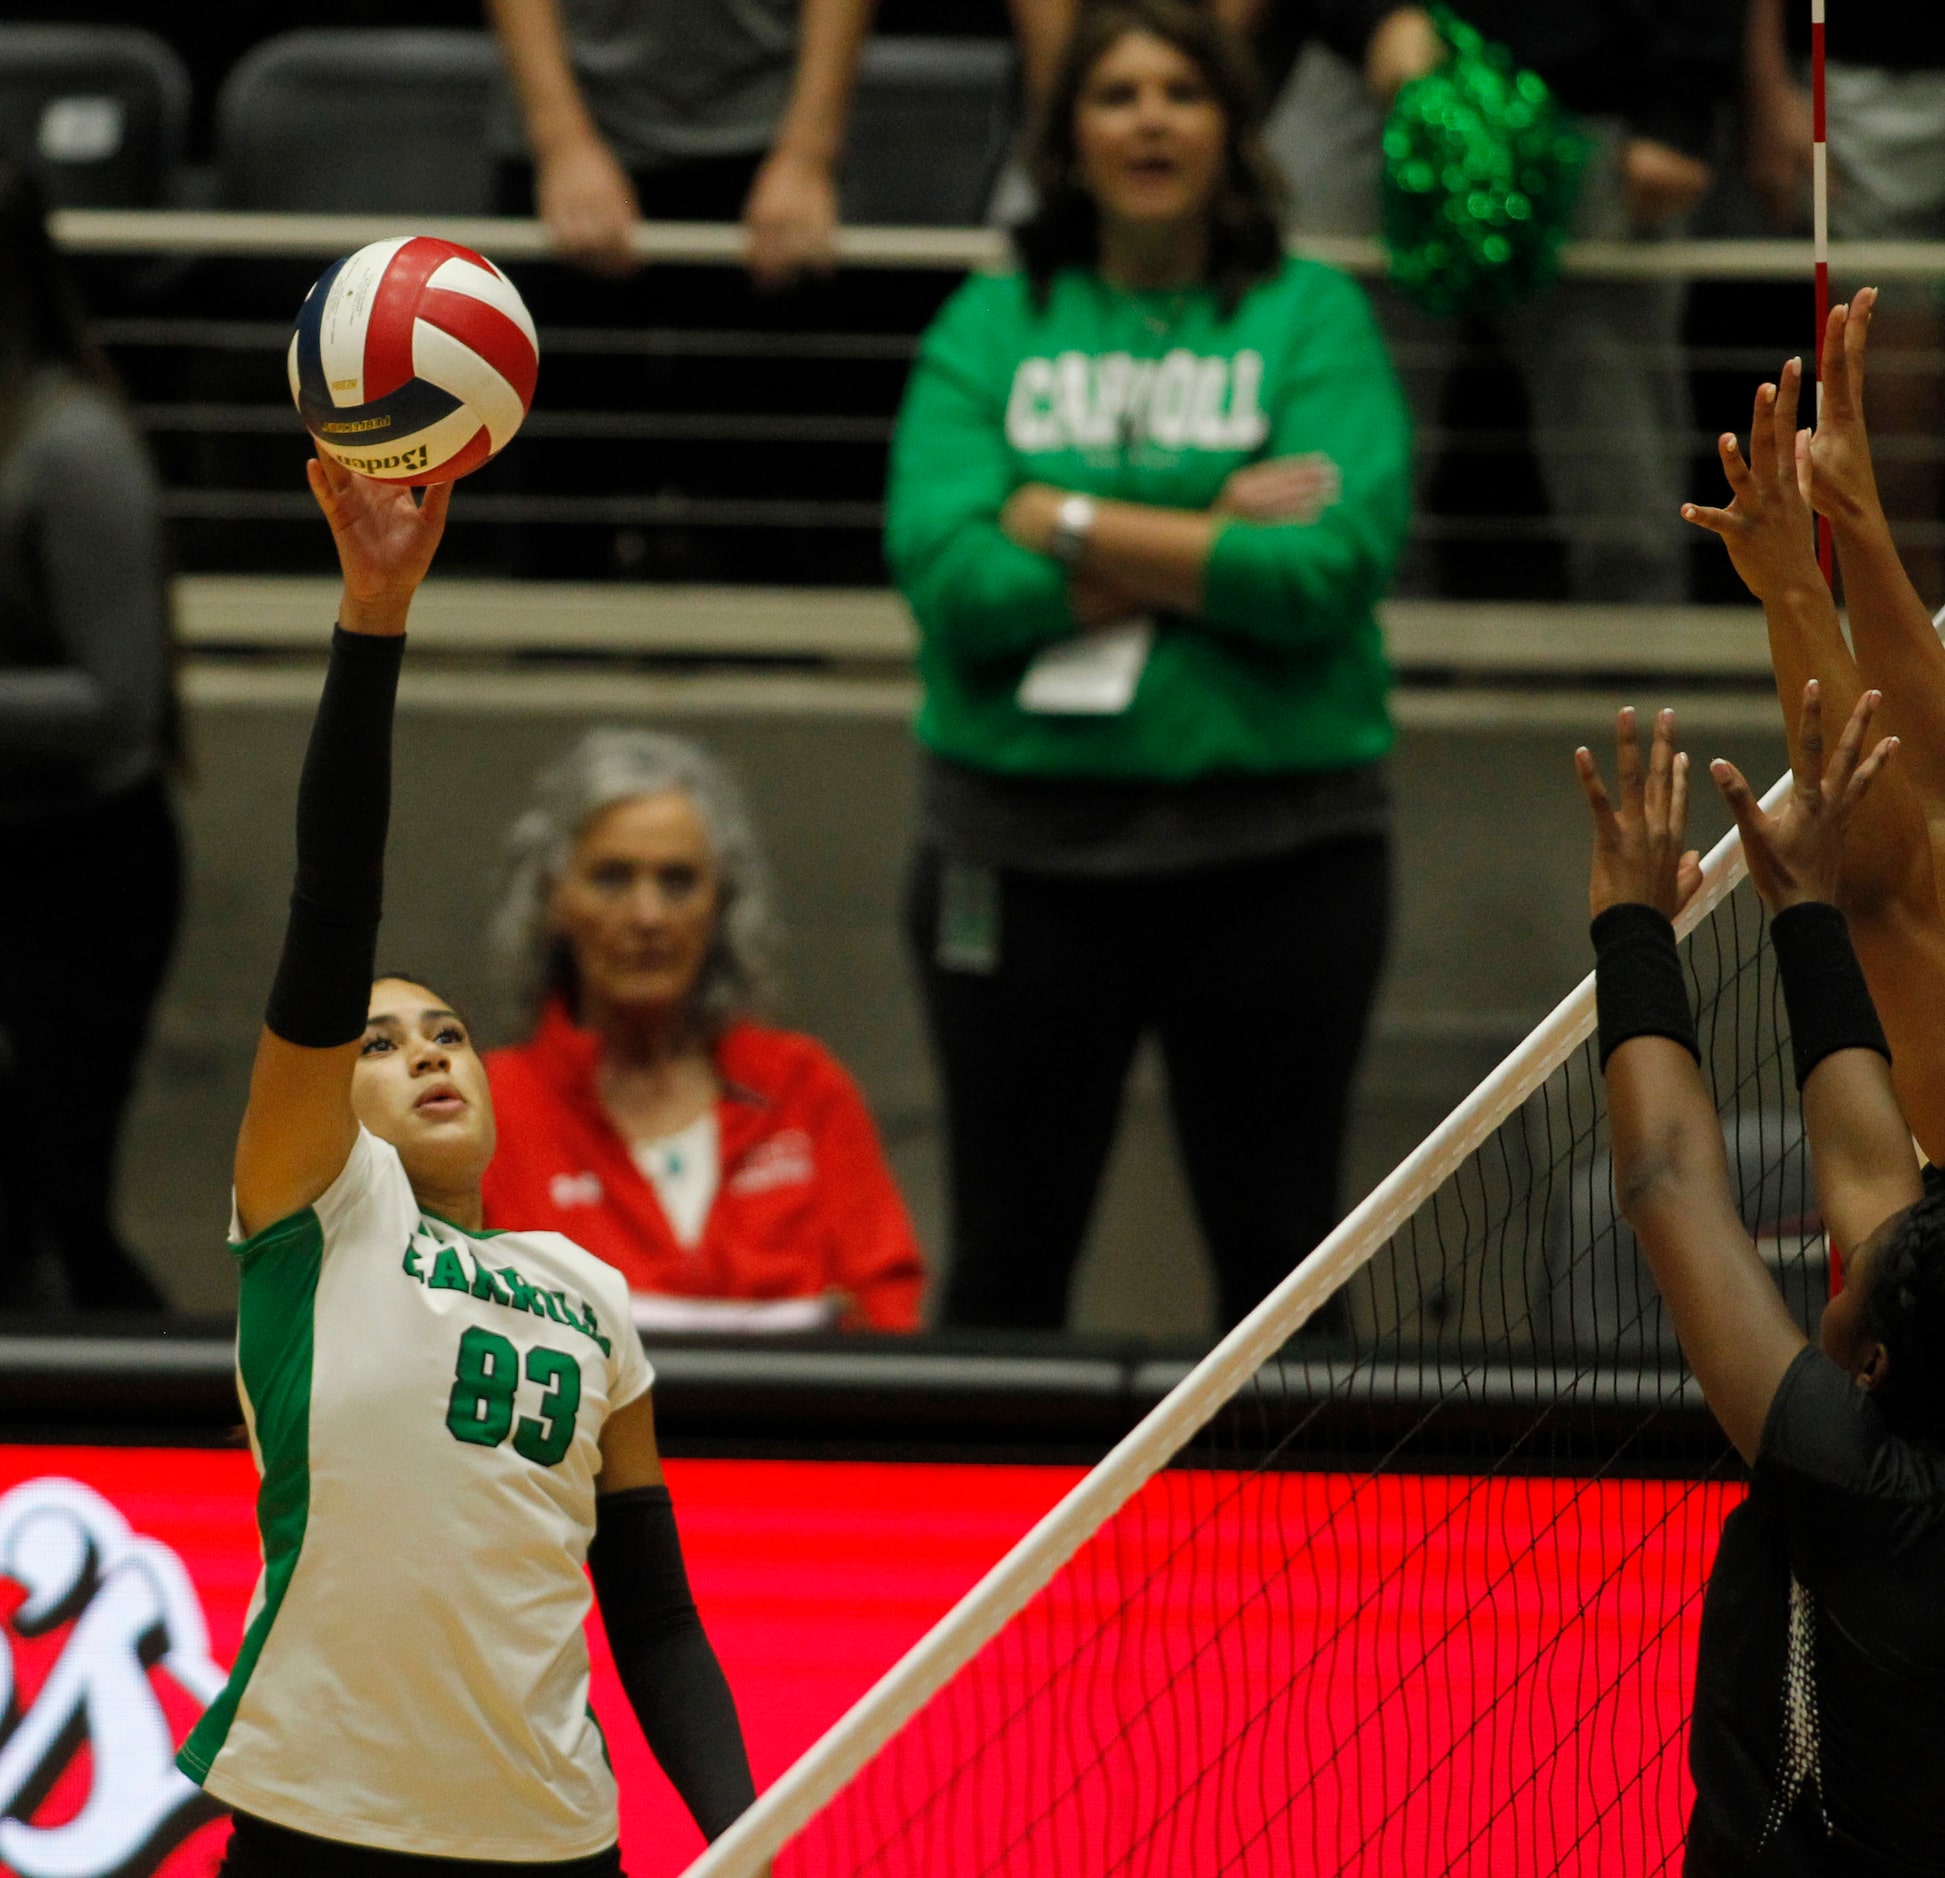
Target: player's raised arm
{"type": "Point", "coordinates": [1888, 891]}
{"type": "Point", "coordinates": [298, 1129]}
{"type": "Point", "coordinates": [1671, 1173]}
{"type": "Point", "coordinates": [1898, 649]}
{"type": "Point", "coordinates": [1859, 1141]}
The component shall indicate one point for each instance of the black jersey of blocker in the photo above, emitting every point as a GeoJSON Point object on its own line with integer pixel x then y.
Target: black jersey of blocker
{"type": "Point", "coordinates": [1818, 1741]}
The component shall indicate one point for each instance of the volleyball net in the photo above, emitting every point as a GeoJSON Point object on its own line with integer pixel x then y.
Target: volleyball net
{"type": "Point", "coordinates": [1406, 1575]}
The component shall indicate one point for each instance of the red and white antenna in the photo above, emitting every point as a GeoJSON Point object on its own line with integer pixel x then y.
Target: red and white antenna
{"type": "Point", "coordinates": [1820, 225]}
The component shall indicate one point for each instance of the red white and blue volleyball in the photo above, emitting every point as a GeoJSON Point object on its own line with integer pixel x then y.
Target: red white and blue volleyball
{"type": "Point", "coordinates": [413, 361]}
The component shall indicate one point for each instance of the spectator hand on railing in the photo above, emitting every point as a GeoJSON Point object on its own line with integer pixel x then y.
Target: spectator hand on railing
{"type": "Point", "coordinates": [790, 219]}
{"type": "Point", "coordinates": [589, 205]}
{"type": "Point", "coordinates": [1662, 182]}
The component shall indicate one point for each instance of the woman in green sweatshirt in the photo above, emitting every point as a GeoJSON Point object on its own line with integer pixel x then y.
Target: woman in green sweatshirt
{"type": "Point", "coordinates": [1145, 495]}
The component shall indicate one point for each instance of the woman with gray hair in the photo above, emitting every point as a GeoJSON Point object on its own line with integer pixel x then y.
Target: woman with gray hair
{"type": "Point", "coordinates": [728, 1169]}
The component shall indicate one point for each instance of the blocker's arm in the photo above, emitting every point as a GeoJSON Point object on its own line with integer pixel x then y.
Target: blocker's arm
{"type": "Point", "coordinates": [1671, 1177]}
{"type": "Point", "coordinates": [1671, 1173]}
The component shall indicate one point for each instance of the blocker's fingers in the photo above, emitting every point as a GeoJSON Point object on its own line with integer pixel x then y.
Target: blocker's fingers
{"type": "Point", "coordinates": [1851, 744]}
{"type": "Point", "coordinates": [1678, 795]}
{"type": "Point", "coordinates": [1661, 764]}
{"type": "Point", "coordinates": [1739, 796]}
{"type": "Point", "coordinates": [1810, 736]}
{"type": "Point", "coordinates": [1734, 466]}
{"type": "Point", "coordinates": [1627, 757]}
{"type": "Point", "coordinates": [1789, 391]}
{"type": "Point", "coordinates": [1857, 333]}
{"type": "Point", "coordinates": [1716, 521]}
{"type": "Point", "coordinates": [1591, 786]}
{"type": "Point", "coordinates": [1836, 363]}
{"type": "Point", "coordinates": [1762, 433]}
{"type": "Point", "coordinates": [1868, 772]}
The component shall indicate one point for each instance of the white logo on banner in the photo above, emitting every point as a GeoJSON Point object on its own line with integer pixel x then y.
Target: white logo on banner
{"type": "Point", "coordinates": [132, 1607]}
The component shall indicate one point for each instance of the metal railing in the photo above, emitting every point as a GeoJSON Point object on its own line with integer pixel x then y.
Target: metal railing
{"type": "Point", "coordinates": [694, 475]}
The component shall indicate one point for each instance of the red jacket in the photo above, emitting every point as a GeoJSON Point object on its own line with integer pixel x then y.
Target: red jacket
{"type": "Point", "coordinates": [806, 1203]}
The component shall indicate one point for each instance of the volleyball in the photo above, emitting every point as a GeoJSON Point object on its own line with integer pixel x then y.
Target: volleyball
{"type": "Point", "coordinates": [413, 360]}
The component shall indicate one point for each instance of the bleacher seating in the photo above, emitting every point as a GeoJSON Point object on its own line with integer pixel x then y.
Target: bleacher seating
{"type": "Point", "coordinates": [99, 112]}
{"type": "Point", "coordinates": [370, 120]}
{"type": "Point", "coordinates": [930, 127]}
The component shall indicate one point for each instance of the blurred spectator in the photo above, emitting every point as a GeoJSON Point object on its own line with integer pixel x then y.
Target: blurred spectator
{"type": "Point", "coordinates": [648, 1117]}
{"type": "Point", "coordinates": [1145, 493]}
{"type": "Point", "coordinates": [88, 844]}
{"type": "Point", "coordinates": [1884, 97]}
{"type": "Point", "coordinates": [682, 110]}
{"type": "Point", "coordinates": [1601, 359]}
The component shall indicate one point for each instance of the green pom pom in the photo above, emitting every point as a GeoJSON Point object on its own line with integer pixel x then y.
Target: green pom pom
{"type": "Point", "coordinates": [1481, 167]}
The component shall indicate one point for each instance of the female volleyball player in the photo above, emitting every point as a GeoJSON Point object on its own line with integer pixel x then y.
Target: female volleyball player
{"type": "Point", "coordinates": [447, 1421]}
{"type": "Point", "coordinates": [1819, 1723]}
{"type": "Point", "coordinates": [1896, 845]}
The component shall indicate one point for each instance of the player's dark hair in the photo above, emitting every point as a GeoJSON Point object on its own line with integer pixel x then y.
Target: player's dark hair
{"type": "Point", "coordinates": [425, 984]}
{"type": "Point", "coordinates": [1904, 1308]}
{"type": "Point", "coordinates": [1245, 234]}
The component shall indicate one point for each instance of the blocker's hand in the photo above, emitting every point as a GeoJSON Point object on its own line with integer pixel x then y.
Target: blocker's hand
{"type": "Point", "coordinates": [1768, 528]}
{"type": "Point", "coordinates": [1638, 852]}
{"type": "Point", "coordinates": [1843, 484]}
{"type": "Point", "coordinates": [385, 542]}
{"type": "Point", "coordinates": [1797, 854]}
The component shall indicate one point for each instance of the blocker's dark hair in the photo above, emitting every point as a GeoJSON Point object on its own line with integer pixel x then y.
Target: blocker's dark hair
{"type": "Point", "coordinates": [1245, 233]}
{"type": "Point", "coordinates": [1904, 1308]}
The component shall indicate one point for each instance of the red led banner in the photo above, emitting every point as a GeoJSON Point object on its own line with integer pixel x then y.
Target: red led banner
{"type": "Point", "coordinates": [125, 1575]}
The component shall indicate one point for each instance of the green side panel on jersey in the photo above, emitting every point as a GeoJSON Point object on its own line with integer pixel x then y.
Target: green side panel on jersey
{"type": "Point", "coordinates": [275, 1329]}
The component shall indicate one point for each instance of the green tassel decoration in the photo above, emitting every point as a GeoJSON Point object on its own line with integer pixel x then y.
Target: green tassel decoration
{"type": "Point", "coordinates": [1481, 168]}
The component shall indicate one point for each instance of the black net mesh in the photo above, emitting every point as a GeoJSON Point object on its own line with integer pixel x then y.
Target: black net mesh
{"type": "Point", "coordinates": [1424, 1596]}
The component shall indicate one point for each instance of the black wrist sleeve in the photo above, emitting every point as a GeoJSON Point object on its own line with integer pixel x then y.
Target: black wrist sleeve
{"type": "Point", "coordinates": [1823, 987]}
{"type": "Point", "coordinates": [1639, 990]}
{"type": "Point", "coordinates": [674, 1683]}
{"type": "Point", "coordinates": [344, 800]}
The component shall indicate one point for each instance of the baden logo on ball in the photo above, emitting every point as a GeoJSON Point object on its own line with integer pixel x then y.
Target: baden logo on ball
{"type": "Point", "coordinates": [413, 360]}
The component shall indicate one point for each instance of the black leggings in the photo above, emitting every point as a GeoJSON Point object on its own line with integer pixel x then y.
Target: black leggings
{"type": "Point", "coordinates": [1258, 980]}
{"type": "Point", "coordinates": [257, 1849]}
{"type": "Point", "coordinates": [89, 904]}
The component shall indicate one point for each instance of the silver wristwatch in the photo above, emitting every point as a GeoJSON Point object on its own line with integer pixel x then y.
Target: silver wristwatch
{"type": "Point", "coordinates": [1073, 523]}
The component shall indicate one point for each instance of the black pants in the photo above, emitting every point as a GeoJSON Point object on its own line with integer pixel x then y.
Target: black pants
{"type": "Point", "coordinates": [258, 1849]}
{"type": "Point", "coordinates": [89, 904]}
{"type": "Point", "coordinates": [1258, 981]}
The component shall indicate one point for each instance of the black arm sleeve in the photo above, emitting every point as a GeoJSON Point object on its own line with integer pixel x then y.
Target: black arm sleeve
{"type": "Point", "coordinates": [344, 800]}
{"type": "Point", "coordinates": [1639, 990]}
{"type": "Point", "coordinates": [1824, 991]}
{"type": "Point", "coordinates": [675, 1684]}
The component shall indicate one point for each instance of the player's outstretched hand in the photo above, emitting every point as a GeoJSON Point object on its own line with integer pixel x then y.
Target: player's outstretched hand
{"type": "Point", "coordinates": [1767, 528]}
{"type": "Point", "coordinates": [1797, 854]}
{"type": "Point", "coordinates": [1638, 852]}
{"type": "Point", "coordinates": [1843, 485]}
{"type": "Point", "coordinates": [386, 541]}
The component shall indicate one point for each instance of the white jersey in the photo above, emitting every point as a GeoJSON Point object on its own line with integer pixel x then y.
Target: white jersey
{"type": "Point", "coordinates": [425, 1407]}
